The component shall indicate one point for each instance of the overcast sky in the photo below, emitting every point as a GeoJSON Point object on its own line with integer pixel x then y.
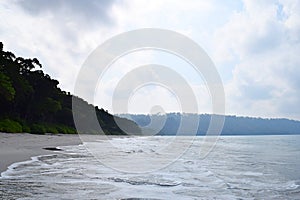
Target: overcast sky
{"type": "Point", "coordinates": [255, 45]}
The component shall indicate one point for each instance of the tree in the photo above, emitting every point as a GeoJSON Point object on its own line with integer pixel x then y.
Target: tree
{"type": "Point", "coordinates": [7, 91]}
{"type": "Point", "coordinates": [33, 100]}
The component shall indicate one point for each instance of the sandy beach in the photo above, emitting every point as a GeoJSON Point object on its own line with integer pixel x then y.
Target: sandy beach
{"type": "Point", "coordinates": [17, 147]}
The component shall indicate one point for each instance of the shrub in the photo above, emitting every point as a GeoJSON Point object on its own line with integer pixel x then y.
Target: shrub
{"type": "Point", "coordinates": [26, 129]}
{"type": "Point", "coordinates": [51, 129]}
{"type": "Point", "coordinates": [10, 126]}
{"type": "Point", "coordinates": [38, 129]}
{"type": "Point", "coordinates": [65, 129]}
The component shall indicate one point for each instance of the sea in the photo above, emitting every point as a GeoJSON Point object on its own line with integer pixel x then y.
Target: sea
{"type": "Point", "coordinates": [235, 167]}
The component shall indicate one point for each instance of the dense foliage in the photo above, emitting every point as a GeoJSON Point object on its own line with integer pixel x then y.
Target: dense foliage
{"type": "Point", "coordinates": [31, 101]}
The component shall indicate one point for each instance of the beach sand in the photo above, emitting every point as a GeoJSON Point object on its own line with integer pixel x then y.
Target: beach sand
{"type": "Point", "coordinates": [17, 147]}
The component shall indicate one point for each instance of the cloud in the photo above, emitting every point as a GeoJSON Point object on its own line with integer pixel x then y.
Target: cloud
{"type": "Point", "coordinates": [78, 11]}
{"type": "Point", "coordinates": [60, 34]}
{"type": "Point", "coordinates": [254, 44]}
{"type": "Point", "coordinates": [262, 43]}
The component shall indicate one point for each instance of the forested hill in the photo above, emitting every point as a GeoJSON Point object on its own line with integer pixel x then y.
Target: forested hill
{"type": "Point", "coordinates": [31, 101]}
{"type": "Point", "coordinates": [233, 125]}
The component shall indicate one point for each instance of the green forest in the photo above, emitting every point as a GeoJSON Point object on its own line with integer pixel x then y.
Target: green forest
{"type": "Point", "coordinates": [32, 102]}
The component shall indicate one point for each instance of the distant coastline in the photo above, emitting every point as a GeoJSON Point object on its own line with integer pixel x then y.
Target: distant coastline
{"type": "Point", "coordinates": [233, 125]}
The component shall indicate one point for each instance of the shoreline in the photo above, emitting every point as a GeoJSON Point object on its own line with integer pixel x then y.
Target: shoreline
{"type": "Point", "coordinates": [18, 147]}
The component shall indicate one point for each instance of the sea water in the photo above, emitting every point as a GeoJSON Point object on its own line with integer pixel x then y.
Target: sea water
{"type": "Point", "coordinates": [238, 167]}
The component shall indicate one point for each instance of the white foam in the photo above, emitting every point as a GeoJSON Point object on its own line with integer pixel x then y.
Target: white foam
{"type": "Point", "coordinates": [11, 169]}
{"type": "Point", "coordinates": [228, 173]}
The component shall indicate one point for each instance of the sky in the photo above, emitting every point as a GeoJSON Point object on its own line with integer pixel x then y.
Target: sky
{"type": "Point", "coordinates": [254, 45]}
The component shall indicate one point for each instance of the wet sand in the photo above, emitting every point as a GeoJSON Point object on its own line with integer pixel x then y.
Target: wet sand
{"type": "Point", "coordinates": [17, 147]}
